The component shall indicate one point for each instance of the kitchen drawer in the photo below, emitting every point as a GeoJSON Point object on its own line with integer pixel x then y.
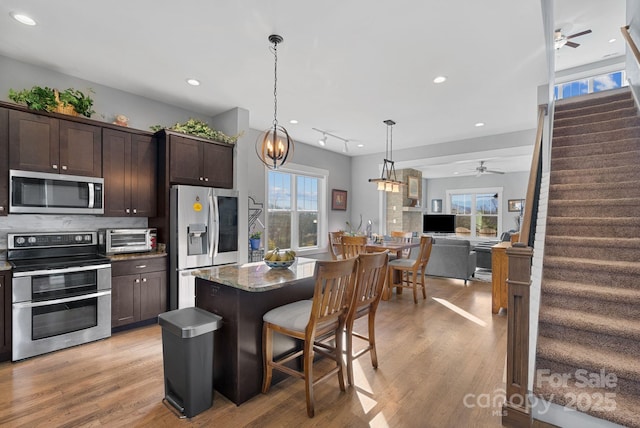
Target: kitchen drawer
{"type": "Point", "coordinates": [141, 265]}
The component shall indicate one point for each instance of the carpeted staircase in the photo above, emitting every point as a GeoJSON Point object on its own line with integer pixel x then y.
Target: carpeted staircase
{"type": "Point", "coordinates": [589, 324]}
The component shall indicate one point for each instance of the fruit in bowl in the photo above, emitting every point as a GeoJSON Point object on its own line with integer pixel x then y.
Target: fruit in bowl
{"type": "Point", "coordinates": [279, 259]}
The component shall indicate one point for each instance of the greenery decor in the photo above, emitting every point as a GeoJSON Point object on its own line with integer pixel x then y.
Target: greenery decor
{"type": "Point", "coordinates": [255, 235]}
{"type": "Point", "coordinates": [44, 99]}
{"type": "Point", "coordinates": [200, 129]}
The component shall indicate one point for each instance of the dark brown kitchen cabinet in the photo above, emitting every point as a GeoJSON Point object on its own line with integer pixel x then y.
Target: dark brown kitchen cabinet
{"type": "Point", "coordinates": [129, 163]}
{"type": "Point", "coordinates": [4, 161]}
{"type": "Point", "coordinates": [138, 289]}
{"type": "Point", "coordinates": [200, 162]}
{"type": "Point", "coordinates": [47, 144]}
{"type": "Point", "coordinates": [5, 315]}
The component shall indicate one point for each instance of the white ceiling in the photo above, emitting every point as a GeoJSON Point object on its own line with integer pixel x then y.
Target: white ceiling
{"type": "Point", "coordinates": [344, 66]}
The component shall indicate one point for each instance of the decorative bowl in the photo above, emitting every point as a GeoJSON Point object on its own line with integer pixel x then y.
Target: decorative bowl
{"type": "Point", "coordinates": [279, 264]}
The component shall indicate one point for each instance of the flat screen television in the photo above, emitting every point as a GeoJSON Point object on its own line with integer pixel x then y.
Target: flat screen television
{"type": "Point", "coordinates": [439, 223]}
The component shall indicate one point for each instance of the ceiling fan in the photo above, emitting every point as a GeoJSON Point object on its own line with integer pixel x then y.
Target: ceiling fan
{"type": "Point", "coordinates": [559, 39]}
{"type": "Point", "coordinates": [483, 170]}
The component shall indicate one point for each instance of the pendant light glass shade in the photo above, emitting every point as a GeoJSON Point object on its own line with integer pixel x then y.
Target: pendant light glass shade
{"type": "Point", "coordinates": [388, 181]}
{"type": "Point", "coordinates": [274, 145]}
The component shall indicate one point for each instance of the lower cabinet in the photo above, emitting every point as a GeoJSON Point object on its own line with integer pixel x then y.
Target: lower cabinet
{"type": "Point", "coordinates": [5, 315]}
{"type": "Point", "coordinates": [138, 289]}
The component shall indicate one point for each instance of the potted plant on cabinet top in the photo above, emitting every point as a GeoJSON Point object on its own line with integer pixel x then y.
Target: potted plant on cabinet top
{"type": "Point", "coordinates": [200, 129]}
{"type": "Point", "coordinates": [70, 101]}
{"type": "Point", "coordinates": [254, 240]}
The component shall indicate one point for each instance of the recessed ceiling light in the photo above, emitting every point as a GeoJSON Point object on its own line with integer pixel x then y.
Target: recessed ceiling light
{"type": "Point", "coordinates": [360, 145]}
{"type": "Point", "coordinates": [456, 173]}
{"type": "Point", "coordinates": [193, 82]}
{"type": "Point", "coordinates": [479, 124]}
{"type": "Point", "coordinates": [440, 79]}
{"type": "Point", "coordinates": [293, 121]}
{"type": "Point", "coordinates": [24, 19]}
{"type": "Point", "coordinates": [612, 40]}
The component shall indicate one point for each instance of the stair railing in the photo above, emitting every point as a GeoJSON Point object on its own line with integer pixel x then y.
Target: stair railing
{"type": "Point", "coordinates": [516, 409]}
{"type": "Point", "coordinates": [627, 36]}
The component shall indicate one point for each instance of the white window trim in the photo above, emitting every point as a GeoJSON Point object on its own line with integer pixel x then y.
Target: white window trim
{"type": "Point", "coordinates": [497, 190]}
{"type": "Point", "coordinates": [323, 212]}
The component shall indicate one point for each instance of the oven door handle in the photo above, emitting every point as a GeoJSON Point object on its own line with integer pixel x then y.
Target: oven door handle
{"type": "Point", "coordinates": [59, 271]}
{"type": "Point", "coordinates": [58, 301]}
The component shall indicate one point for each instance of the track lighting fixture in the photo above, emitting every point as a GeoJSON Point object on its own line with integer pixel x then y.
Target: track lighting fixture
{"type": "Point", "coordinates": [323, 141]}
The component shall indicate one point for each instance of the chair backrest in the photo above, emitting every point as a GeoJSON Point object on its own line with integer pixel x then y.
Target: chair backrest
{"type": "Point", "coordinates": [352, 246]}
{"type": "Point", "coordinates": [372, 273]}
{"type": "Point", "coordinates": [405, 238]}
{"type": "Point", "coordinates": [335, 244]}
{"type": "Point", "coordinates": [334, 286]}
{"type": "Point", "coordinates": [426, 244]}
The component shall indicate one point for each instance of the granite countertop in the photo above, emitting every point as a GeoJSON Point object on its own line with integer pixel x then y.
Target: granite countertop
{"type": "Point", "coordinates": [257, 276]}
{"type": "Point", "coordinates": [135, 256]}
{"type": "Point", "coordinates": [4, 265]}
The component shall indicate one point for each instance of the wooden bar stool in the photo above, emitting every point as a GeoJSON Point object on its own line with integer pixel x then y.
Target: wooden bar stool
{"type": "Point", "coordinates": [335, 244]}
{"type": "Point", "coordinates": [352, 246]}
{"type": "Point", "coordinates": [404, 237]}
{"type": "Point", "coordinates": [411, 269]}
{"type": "Point", "coordinates": [311, 320]}
{"type": "Point", "coordinates": [372, 274]}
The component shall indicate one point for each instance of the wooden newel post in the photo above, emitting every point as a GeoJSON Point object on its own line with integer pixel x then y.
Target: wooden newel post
{"type": "Point", "coordinates": [516, 411]}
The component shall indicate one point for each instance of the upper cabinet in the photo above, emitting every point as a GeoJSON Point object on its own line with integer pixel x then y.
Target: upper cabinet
{"type": "Point", "coordinates": [130, 167]}
{"type": "Point", "coordinates": [199, 162]}
{"type": "Point", "coordinates": [48, 144]}
{"type": "Point", "coordinates": [4, 161]}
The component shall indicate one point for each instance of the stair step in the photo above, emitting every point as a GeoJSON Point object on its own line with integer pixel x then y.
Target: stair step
{"type": "Point", "coordinates": [614, 227]}
{"type": "Point", "coordinates": [621, 249]}
{"type": "Point", "coordinates": [584, 309]}
{"type": "Point", "coordinates": [589, 358]}
{"type": "Point", "coordinates": [595, 161]}
{"type": "Point", "coordinates": [621, 207]}
{"type": "Point", "coordinates": [628, 189]}
{"type": "Point", "coordinates": [623, 274]}
{"type": "Point", "coordinates": [588, 128]}
{"type": "Point", "coordinates": [627, 102]}
{"type": "Point", "coordinates": [600, 292]}
{"type": "Point", "coordinates": [596, 137]}
{"type": "Point", "coordinates": [594, 99]}
{"type": "Point", "coordinates": [628, 110]}
{"type": "Point", "coordinates": [603, 175]}
{"type": "Point", "coordinates": [628, 145]}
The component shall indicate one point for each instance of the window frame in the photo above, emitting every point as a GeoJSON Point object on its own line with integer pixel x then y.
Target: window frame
{"type": "Point", "coordinates": [323, 216]}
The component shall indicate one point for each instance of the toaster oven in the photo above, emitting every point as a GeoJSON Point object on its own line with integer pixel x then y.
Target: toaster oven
{"type": "Point", "coordinates": [121, 241]}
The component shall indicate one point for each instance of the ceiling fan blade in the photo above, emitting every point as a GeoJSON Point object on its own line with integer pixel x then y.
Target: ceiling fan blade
{"type": "Point", "coordinates": [495, 172]}
{"type": "Point", "coordinates": [582, 33]}
{"type": "Point", "coordinates": [572, 44]}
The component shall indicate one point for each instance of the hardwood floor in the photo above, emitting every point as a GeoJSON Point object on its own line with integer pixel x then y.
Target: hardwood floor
{"type": "Point", "coordinates": [431, 357]}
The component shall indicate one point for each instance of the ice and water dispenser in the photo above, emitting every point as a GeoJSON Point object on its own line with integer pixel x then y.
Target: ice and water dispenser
{"type": "Point", "coordinates": [197, 240]}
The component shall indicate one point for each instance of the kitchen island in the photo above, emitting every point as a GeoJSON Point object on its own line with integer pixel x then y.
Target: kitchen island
{"type": "Point", "coordinates": [241, 295]}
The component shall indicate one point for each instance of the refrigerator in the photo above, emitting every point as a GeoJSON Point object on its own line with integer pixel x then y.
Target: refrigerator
{"type": "Point", "coordinates": [204, 228]}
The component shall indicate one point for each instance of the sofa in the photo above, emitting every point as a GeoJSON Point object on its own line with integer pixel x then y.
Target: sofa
{"type": "Point", "coordinates": [452, 258]}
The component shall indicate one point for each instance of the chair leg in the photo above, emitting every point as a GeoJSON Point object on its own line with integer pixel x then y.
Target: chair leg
{"type": "Point", "coordinates": [267, 356]}
{"type": "Point", "coordinates": [424, 288]}
{"type": "Point", "coordinates": [372, 341]}
{"type": "Point", "coordinates": [415, 287]}
{"type": "Point", "coordinates": [349, 337]}
{"type": "Point", "coordinates": [307, 358]}
{"type": "Point", "coordinates": [339, 361]}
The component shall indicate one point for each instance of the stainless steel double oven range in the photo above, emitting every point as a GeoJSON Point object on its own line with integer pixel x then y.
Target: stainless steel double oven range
{"type": "Point", "coordinates": [61, 292]}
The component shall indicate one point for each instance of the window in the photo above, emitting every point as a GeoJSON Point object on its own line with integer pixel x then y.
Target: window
{"type": "Point", "coordinates": [295, 208]}
{"type": "Point", "coordinates": [477, 211]}
{"type": "Point", "coordinates": [603, 82]}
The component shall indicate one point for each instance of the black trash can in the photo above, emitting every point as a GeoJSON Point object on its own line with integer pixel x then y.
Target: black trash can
{"type": "Point", "coordinates": [187, 351]}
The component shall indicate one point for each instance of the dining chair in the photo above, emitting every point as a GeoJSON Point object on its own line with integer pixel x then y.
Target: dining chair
{"type": "Point", "coordinates": [411, 269]}
{"type": "Point", "coordinates": [352, 246]}
{"type": "Point", "coordinates": [335, 244]}
{"type": "Point", "coordinates": [372, 274]}
{"type": "Point", "coordinates": [311, 321]}
{"type": "Point", "coordinates": [405, 238]}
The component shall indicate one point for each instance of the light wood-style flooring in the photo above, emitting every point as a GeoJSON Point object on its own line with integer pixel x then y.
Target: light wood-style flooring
{"type": "Point", "coordinates": [441, 365]}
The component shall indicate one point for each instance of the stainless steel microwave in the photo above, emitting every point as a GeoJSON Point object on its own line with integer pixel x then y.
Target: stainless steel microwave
{"type": "Point", "coordinates": [45, 193]}
{"type": "Point", "coordinates": [120, 241]}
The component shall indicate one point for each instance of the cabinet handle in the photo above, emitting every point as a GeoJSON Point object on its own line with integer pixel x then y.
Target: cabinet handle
{"type": "Point", "coordinates": [54, 166]}
{"type": "Point", "coordinates": [206, 179]}
{"type": "Point", "coordinates": [64, 167]}
{"type": "Point", "coordinates": [135, 211]}
{"type": "Point", "coordinates": [1, 209]}
{"type": "Point", "coordinates": [201, 179]}
{"type": "Point", "coordinates": [141, 266]}
{"type": "Point", "coordinates": [127, 211]}
{"type": "Point", "coordinates": [144, 279]}
{"type": "Point", "coordinates": [137, 280]}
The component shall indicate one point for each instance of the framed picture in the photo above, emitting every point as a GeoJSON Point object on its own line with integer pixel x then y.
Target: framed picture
{"type": "Point", "coordinates": [339, 200]}
{"type": "Point", "coordinates": [413, 188]}
{"type": "Point", "coordinates": [515, 205]}
{"type": "Point", "coordinates": [436, 205]}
